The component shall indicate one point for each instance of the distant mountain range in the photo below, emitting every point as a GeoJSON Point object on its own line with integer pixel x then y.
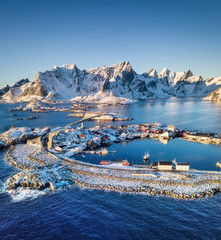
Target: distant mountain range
{"type": "Point", "coordinates": [108, 83]}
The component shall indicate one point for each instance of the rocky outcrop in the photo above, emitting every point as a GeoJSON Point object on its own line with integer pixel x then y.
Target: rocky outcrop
{"type": "Point", "coordinates": [186, 75]}
{"type": "Point", "coordinates": [18, 84]}
{"type": "Point", "coordinates": [28, 180]}
{"type": "Point", "coordinates": [106, 86]}
{"type": "Point", "coordinates": [20, 135]}
{"type": "Point", "coordinates": [16, 135]}
{"type": "Point", "coordinates": [214, 96]}
{"type": "Point", "coordinates": [35, 88]}
{"type": "Point", "coordinates": [4, 90]}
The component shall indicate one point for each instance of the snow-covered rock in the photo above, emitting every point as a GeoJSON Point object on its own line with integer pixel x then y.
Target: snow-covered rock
{"type": "Point", "coordinates": [214, 96]}
{"type": "Point", "coordinates": [116, 84]}
{"type": "Point", "coordinates": [13, 87]}
{"type": "Point", "coordinates": [50, 178]}
{"type": "Point", "coordinates": [20, 135]}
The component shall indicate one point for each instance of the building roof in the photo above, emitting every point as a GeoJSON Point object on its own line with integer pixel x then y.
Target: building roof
{"type": "Point", "coordinates": [165, 163]}
{"type": "Point", "coordinates": [154, 163]}
{"type": "Point", "coordinates": [183, 164]}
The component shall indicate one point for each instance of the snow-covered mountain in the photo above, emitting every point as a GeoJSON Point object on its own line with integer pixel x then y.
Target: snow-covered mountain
{"type": "Point", "coordinates": [13, 87]}
{"type": "Point", "coordinates": [216, 94]}
{"type": "Point", "coordinates": [110, 82]}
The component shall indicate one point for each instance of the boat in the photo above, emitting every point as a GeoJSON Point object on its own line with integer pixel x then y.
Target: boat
{"type": "Point", "coordinates": [115, 162]}
{"type": "Point", "coordinates": [218, 164]}
{"type": "Point", "coordinates": [120, 163]}
{"type": "Point", "coordinates": [146, 156]}
{"type": "Point", "coordinates": [104, 151]}
{"type": "Point", "coordinates": [58, 148]}
{"type": "Point", "coordinates": [105, 162]}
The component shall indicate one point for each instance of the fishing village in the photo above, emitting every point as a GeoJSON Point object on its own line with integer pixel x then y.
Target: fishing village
{"type": "Point", "coordinates": [110, 120]}
{"type": "Point", "coordinates": [46, 157]}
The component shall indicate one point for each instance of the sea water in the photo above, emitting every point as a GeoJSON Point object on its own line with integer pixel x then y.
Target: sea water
{"type": "Point", "coordinates": [75, 213]}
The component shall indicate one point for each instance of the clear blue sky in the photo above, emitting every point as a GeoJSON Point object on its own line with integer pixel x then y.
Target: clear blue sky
{"type": "Point", "coordinates": [35, 35]}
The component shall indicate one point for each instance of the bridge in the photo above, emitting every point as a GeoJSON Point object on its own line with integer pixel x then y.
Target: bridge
{"type": "Point", "coordinates": [85, 119]}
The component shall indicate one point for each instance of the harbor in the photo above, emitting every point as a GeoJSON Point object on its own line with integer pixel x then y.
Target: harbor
{"type": "Point", "coordinates": [45, 182]}
{"type": "Point", "coordinates": [93, 157]}
{"type": "Point", "coordinates": [48, 156]}
{"type": "Point", "coordinates": [110, 120]}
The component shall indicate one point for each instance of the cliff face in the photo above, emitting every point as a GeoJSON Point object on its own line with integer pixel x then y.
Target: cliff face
{"type": "Point", "coordinates": [35, 88]}
{"type": "Point", "coordinates": [215, 95]}
{"type": "Point", "coordinates": [18, 84]}
{"type": "Point", "coordinates": [119, 80]}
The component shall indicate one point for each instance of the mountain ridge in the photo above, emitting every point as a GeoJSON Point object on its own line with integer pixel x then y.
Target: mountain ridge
{"type": "Point", "coordinates": [68, 82]}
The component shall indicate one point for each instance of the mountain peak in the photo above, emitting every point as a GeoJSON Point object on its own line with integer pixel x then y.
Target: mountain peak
{"type": "Point", "coordinates": [165, 72]}
{"type": "Point", "coordinates": [152, 72]}
{"type": "Point", "coordinates": [67, 66]}
{"type": "Point", "coordinates": [122, 67]}
{"type": "Point", "coordinates": [187, 74]}
{"type": "Point", "coordinates": [123, 64]}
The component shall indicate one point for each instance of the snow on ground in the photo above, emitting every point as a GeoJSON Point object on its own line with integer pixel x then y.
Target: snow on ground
{"type": "Point", "coordinates": [29, 156]}
{"type": "Point", "coordinates": [174, 184]}
{"type": "Point", "coordinates": [68, 141]}
{"type": "Point", "coordinates": [107, 98]}
{"type": "Point", "coordinates": [20, 135]}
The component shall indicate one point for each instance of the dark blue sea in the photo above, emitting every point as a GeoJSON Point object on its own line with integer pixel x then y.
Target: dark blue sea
{"type": "Point", "coordinates": [75, 213]}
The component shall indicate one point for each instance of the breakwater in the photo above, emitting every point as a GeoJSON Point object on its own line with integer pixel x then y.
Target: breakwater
{"type": "Point", "coordinates": [170, 184]}
{"type": "Point", "coordinates": [181, 185]}
{"type": "Point", "coordinates": [41, 156]}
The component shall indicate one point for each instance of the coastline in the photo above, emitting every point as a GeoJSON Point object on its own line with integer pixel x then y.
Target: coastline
{"type": "Point", "coordinates": [44, 157]}
{"type": "Point", "coordinates": [187, 185]}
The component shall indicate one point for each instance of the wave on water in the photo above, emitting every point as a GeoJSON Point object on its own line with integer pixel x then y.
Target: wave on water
{"type": "Point", "coordinates": [20, 194]}
{"type": "Point", "coordinates": [24, 194]}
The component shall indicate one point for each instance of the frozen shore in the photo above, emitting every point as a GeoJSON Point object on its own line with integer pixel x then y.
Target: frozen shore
{"type": "Point", "coordinates": [44, 163]}
{"type": "Point", "coordinates": [181, 185]}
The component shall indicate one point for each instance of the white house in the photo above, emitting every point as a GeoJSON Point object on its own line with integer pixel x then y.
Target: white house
{"type": "Point", "coordinates": [171, 128]}
{"type": "Point", "coordinates": [178, 166]}
{"type": "Point", "coordinates": [162, 166]}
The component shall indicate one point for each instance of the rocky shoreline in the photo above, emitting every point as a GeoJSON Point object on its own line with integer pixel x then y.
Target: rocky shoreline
{"type": "Point", "coordinates": [179, 185]}
{"type": "Point", "coordinates": [45, 163]}
{"type": "Point", "coordinates": [152, 191]}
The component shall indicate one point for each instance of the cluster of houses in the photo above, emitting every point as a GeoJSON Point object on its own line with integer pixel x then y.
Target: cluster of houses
{"type": "Point", "coordinates": [82, 107]}
{"type": "Point", "coordinates": [155, 130]}
{"type": "Point", "coordinates": [205, 138]}
{"type": "Point", "coordinates": [151, 130]}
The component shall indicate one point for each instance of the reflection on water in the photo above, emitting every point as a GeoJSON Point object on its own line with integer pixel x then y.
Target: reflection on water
{"type": "Point", "coordinates": [89, 214]}
{"type": "Point", "coordinates": [200, 156]}
{"type": "Point", "coordinates": [185, 113]}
